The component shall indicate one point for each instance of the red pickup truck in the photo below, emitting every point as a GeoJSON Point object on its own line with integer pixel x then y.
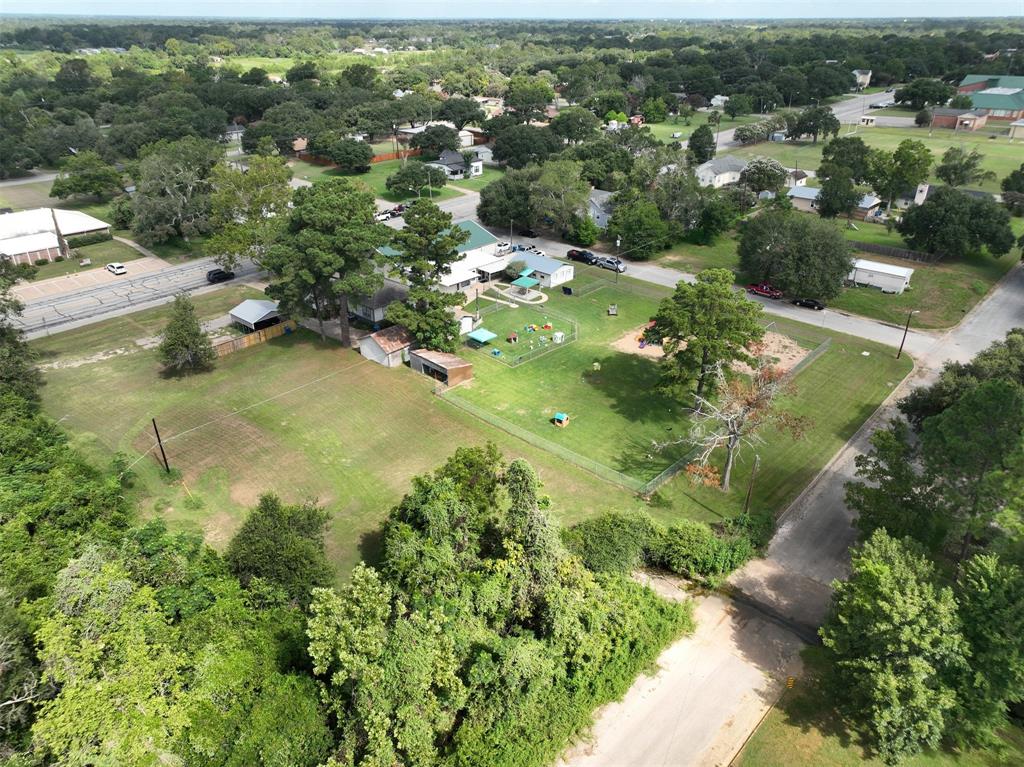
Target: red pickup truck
{"type": "Point", "coordinates": [764, 289]}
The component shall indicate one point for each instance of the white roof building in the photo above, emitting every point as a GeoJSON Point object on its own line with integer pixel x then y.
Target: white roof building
{"type": "Point", "coordinates": [253, 311]}
{"type": "Point", "coordinates": [26, 233]}
{"type": "Point", "coordinates": [889, 278]}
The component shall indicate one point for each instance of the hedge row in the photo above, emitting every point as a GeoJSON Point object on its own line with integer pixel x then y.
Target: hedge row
{"type": "Point", "coordinates": [89, 239]}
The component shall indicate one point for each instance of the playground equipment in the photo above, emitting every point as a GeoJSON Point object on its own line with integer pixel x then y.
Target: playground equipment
{"type": "Point", "coordinates": [513, 338]}
{"type": "Point", "coordinates": [561, 419]}
{"type": "Point", "coordinates": [558, 336]}
{"type": "Point", "coordinates": [613, 310]}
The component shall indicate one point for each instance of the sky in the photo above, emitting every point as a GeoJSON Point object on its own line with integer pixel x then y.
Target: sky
{"type": "Point", "coordinates": [523, 9]}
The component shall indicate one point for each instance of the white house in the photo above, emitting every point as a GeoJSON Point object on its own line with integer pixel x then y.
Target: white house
{"type": "Point", "coordinates": [456, 167]}
{"type": "Point", "coordinates": [718, 101]}
{"type": "Point", "coordinates": [549, 272]}
{"type": "Point", "coordinates": [388, 347]}
{"type": "Point", "coordinates": [720, 171]}
{"type": "Point", "coordinates": [805, 198]}
{"type": "Point", "coordinates": [796, 177]}
{"type": "Point", "coordinates": [599, 207]}
{"type": "Point", "coordinates": [28, 236]}
{"type": "Point", "coordinates": [887, 277]}
{"type": "Point", "coordinates": [479, 259]}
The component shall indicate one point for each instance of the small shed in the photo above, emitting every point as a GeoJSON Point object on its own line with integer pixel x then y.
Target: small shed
{"type": "Point", "coordinates": [388, 347]}
{"type": "Point", "coordinates": [255, 314]}
{"type": "Point", "coordinates": [449, 369]}
{"type": "Point", "coordinates": [889, 278]}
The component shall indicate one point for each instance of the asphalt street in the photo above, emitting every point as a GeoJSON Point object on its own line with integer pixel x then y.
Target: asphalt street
{"type": "Point", "coordinates": [51, 313]}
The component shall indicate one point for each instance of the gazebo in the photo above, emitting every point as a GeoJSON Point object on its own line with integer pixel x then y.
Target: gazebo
{"type": "Point", "coordinates": [525, 284]}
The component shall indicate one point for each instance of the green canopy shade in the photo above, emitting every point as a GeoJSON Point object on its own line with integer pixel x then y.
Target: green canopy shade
{"type": "Point", "coordinates": [482, 335]}
{"type": "Point", "coordinates": [525, 282]}
{"type": "Point", "coordinates": [526, 272]}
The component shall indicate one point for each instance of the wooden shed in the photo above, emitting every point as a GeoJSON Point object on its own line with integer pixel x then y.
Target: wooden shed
{"type": "Point", "coordinates": [449, 369]}
{"type": "Point", "coordinates": [388, 347]}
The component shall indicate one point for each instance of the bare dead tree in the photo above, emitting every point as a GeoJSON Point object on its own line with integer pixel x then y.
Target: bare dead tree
{"type": "Point", "coordinates": [742, 408]}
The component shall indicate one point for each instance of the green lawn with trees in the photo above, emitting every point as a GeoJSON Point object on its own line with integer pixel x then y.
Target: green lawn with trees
{"type": "Point", "coordinates": [803, 730]}
{"type": "Point", "coordinates": [1000, 154]}
{"type": "Point", "coordinates": [332, 418]}
{"type": "Point", "coordinates": [373, 180]}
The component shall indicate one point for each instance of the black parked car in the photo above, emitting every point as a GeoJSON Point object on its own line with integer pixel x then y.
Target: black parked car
{"type": "Point", "coordinates": [809, 303]}
{"type": "Point", "coordinates": [219, 275]}
{"type": "Point", "coordinates": [528, 232]}
{"type": "Point", "coordinates": [581, 255]}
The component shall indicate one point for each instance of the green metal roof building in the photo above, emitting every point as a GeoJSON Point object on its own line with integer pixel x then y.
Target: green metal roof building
{"type": "Point", "coordinates": [1001, 97]}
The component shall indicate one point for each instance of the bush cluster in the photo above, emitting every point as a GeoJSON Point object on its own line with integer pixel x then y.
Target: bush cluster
{"type": "Point", "coordinates": [619, 542]}
{"type": "Point", "coordinates": [89, 239]}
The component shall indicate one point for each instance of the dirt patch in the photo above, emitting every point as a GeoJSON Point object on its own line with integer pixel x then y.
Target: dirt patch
{"type": "Point", "coordinates": [90, 360]}
{"type": "Point", "coordinates": [219, 528]}
{"type": "Point", "coordinates": [246, 493]}
{"type": "Point", "coordinates": [783, 351]}
{"type": "Point", "coordinates": [629, 343]}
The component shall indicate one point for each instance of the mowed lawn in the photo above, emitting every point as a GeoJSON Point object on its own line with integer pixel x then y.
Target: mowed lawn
{"type": "Point", "coordinates": [663, 131]}
{"type": "Point", "coordinates": [803, 731]}
{"type": "Point", "coordinates": [374, 179]}
{"type": "Point", "coordinates": [835, 394]}
{"type": "Point", "coordinates": [478, 183]}
{"type": "Point", "coordinates": [292, 416]}
{"type": "Point", "coordinates": [100, 254]}
{"type": "Point", "coordinates": [1000, 154]}
{"type": "Point", "coordinates": [615, 412]}
{"type": "Point", "coordinates": [942, 292]}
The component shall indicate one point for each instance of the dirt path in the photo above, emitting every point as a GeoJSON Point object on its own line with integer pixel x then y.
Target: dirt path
{"type": "Point", "coordinates": [669, 719]}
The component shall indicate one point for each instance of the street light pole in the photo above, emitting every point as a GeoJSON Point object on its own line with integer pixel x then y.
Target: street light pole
{"type": "Point", "coordinates": [906, 329]}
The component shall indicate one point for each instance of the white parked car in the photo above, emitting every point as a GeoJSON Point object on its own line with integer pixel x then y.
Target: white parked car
{"type": "Point", "coordinates": [382, 216]}
{"type": "Point", "coordinates": [116, 267]}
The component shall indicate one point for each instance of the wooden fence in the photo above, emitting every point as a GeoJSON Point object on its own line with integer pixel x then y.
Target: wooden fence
{"type": "Point", "coordinates": [225, 348]}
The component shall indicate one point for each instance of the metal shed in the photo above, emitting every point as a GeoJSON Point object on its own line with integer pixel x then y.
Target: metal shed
{"type": "Point", "coordinates": [889, 278]}
{"type": "Point", "coordinates": [255, 314]}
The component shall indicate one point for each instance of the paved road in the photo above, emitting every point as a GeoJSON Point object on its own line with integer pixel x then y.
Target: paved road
{"type": "Point", "coordinates": [77, 307]}
{"type": "Point", "coordinates": [34, 178]}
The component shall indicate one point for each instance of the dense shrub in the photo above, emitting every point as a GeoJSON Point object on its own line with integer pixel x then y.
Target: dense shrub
{"type": "Point", "coordinates": [618, 542]}
{"type": "Point", "coordinates": [694, 550]}
{"type": "Point", "coordinates": [89, 239]}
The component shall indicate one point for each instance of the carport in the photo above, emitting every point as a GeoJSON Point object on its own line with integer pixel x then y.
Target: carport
{"type": "Point", "coordinates": [255, 314]}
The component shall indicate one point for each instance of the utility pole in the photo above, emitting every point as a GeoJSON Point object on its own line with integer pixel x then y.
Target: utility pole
{"type": "Point", "coordinates": [750, 483]}
{"type": "Point", "coordinates": [906, 329]}
{"type": "Point", "coordinates": [160, 442]}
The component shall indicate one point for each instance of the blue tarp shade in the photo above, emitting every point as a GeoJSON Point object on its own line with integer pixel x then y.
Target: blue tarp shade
{"type": "Point", "coordinates": [525, 282]}
{"type": "Point", "coordinates": [526, 272]}
{"type": "Point", "coordinates": [561, 416]}
{"type": "Point", "coordinates": [482, 335]}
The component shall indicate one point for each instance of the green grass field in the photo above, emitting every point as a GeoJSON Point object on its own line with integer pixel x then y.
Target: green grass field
{"type": "Point", "coordinates": [373, 180]}
{"type": "Point", "coordinates": [942, 293]}
{"type": "Point", "coordinates": [663, 131]}
{"type": "Point", "coordinates": [615, 412]}
{"type": "Point", "coordinates": [478, 183]}
{"type": "Point", "coordinates": [803, 731]}
{"type": "Point", "coordinates": [1000, 154]}
{"type": "Point", "coordinates": [294, 416]}
{"type": "Point", "coordinates": [721, 254]}
{"type": "Point", "coordinates": [101, 254]}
